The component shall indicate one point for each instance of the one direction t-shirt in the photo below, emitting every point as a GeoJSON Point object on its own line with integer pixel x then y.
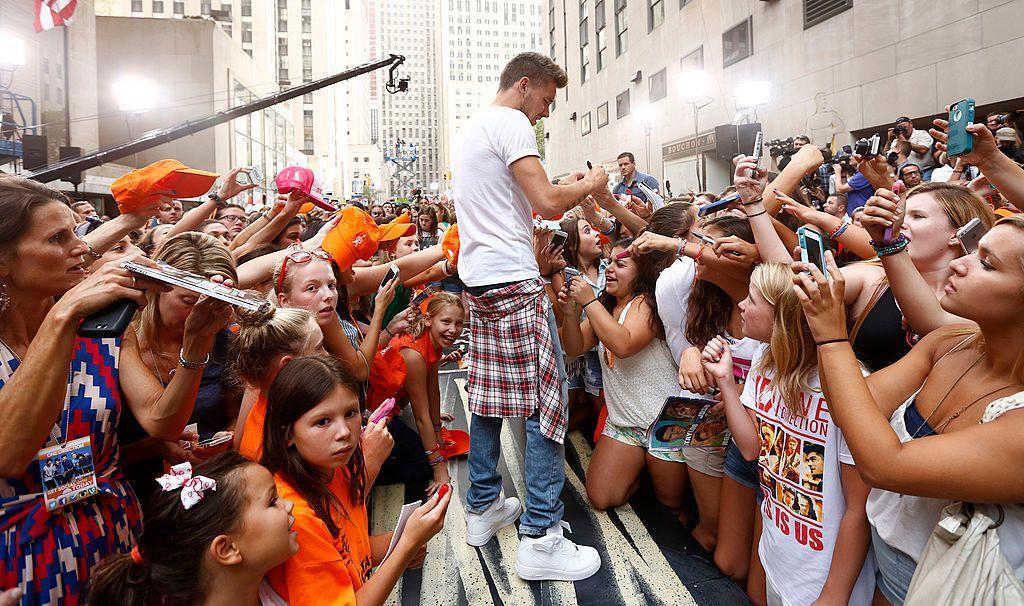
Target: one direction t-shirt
{"type": "Point", "coordinates": [799, 475]}
{"type": "Point", "coordinates": [495, 216]}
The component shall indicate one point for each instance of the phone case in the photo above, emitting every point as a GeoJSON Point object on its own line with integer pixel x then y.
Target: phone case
{"type": "Point", "coordinates": [808, 238]}
{"type": "Point", "coordinates": [960, 115]}
{"type": "Point", "coordinates": [109, 322]}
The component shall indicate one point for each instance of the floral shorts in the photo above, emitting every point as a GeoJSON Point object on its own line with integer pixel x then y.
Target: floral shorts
{"type": "Point", "coordinates": [637, 436]}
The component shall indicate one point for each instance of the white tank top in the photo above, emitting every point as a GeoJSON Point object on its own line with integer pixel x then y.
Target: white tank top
{"type": "Point", "coordinates": [906, 522]}
{"type": "Point", "coordinates": [635, 388]}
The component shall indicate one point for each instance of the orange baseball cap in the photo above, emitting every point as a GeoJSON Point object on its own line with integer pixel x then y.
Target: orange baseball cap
{"type": "Point", "coordinates": [166, 177]}
{"type": "Point", "coordinates": [396, 228]}
{"type": "Point", "coordinates": [450, 245]}
{"type": "Point", "coordinates": [356, 236]}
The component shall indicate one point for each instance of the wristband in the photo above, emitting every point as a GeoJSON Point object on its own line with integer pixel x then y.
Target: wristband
{"type": "Point", "coordinates": [588, 303]}
{"type": "Point", "coordinates": [192, 365]}
{"type": "Point", "coordinates": [757, 214]}
{"type": "Point", "coordinates": [830, 341]}
{"type": "Point", "coordinates": [839, 230]}
{"type": "Point", "coordinates": [884, 249]}
{"type": "Point", "coordinates": [388, 330]}
{"type": "Point", "coordinates": [682, 247]}
{"type": "Point", "coordinates": [752, 202]}
{"type": "Point", "coordinates": [700, 253]}
{"type": "Point", "coordinates": [216, 198]}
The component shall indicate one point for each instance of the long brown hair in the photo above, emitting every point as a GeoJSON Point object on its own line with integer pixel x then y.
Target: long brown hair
{"type": "Point", "coordinates": [299, 387]}
{"type": "Point", "coordinates": [710, 308]}
{"type": "Point", "coordinates": [644, 283]}
{"type": "Point", "coordinates": [173, 542]}
{"type": "Point", "coordinates": [19, 198]}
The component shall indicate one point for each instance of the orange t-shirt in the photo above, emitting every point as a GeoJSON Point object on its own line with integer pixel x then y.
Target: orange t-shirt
{"type": "Point", "coordinates": [252, 434]}
{"type": "Point", "coordinates": [327, 571]}
{"type": "Point", "coordinates": [388, 372]}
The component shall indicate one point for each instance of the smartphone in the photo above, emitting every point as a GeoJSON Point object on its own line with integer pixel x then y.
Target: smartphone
{"type": "Point", "coordinates": [545, 224]}
{"type": "Point", "coordinates": [705, 239]}
{"type": "Point", "coordinates": [169, 274]}
{"type": "Point", "coordinates": [383, 411]}
{"type": "Point", "coordinates": [393, 272]}
{"type": "Point", "coordinates": [570, 273]}
{"type": "Point", "coordinates": [425, 294]}
{"type": "Point", "coordinates": [961, 114]}
{"type": "Point", "coordinates": [215, 441]}
{"type": "Point", "coordinates": [758, 151]}
{"type": "Point", "coordinates": [970, 234]}
{"type": "Point", "coordinates": [558, 239]}
{"type": "Point", "coordinates": [898, 187]}
{"type": "Point", "coordinates": [812, 248]}
{"type": "Point", "coordinates": [714, 207]}
{"type": "Point", "coordinates": [109, 322]}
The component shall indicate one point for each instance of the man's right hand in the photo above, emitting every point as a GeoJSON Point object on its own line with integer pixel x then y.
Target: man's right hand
{"type": "Point", "coordinates": [597, 178]}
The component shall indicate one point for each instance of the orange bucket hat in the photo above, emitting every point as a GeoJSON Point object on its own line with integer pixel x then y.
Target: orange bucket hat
{"type": "Point", "coordinates": [166, 177]}
{"type": "Point", "coordinates": [356, 236]}
{"type": "Point", "coordinates": [450, 245]}
{"type": "Point", "coordinates": [398, 227]}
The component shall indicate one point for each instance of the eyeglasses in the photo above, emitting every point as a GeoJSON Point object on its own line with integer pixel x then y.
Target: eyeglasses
{"type": "Point", "coordinates": [232, 218]}
{"type": "Point", "coordinates": [297, 255]}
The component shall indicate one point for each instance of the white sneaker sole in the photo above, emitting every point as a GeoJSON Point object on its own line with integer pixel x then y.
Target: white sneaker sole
{"type": "Point", "coordinates": [479, 540]}
{"type": "Point", "coordinates": [530, 573]}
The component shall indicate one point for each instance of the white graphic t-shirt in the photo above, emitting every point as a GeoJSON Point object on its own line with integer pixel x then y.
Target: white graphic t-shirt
{"type": "Point", "coordinates": [798, 468]}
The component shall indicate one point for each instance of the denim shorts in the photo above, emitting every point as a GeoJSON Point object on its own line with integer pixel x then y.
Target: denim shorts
{"type": "Point", "coordinates": [895, 570]}
{"type": "Point", "coordinates": [739, 469]}
{"type": "Point", "coordinates": [588, 374]}
{"type": "Point", "coordinates": [637, 436]}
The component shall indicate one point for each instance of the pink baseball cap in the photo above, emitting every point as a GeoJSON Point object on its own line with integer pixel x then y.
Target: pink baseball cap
{"type": "Point", "coordinates": [304, 180]}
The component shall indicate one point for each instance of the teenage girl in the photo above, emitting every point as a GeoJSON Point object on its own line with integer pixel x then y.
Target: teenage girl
{"type": "Point", "coordinates": [311, 443]}
{"type": "Point", "coordinates": [407, 368]}
{"type": "Point", "coordinates": [216, 550]}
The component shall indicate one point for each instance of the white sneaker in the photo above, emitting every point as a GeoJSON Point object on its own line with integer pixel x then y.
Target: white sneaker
{"type": "Point", "coordinates": [555, 558]}
{"type": "Point", "coordinates": [480, 527]}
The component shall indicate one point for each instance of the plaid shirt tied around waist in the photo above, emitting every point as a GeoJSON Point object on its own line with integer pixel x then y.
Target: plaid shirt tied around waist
{"type": "Point", "coordinates": [512, 366]}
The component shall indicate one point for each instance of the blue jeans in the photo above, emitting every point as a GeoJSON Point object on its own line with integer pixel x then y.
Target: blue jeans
{"type": "Point", "coordinates": [544, 463]}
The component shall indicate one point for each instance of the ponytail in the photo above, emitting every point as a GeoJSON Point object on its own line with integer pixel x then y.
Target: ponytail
{"type": "Point", "coordinates": [435, 304]}
{"type": "Point", "coordinates": [120, 580]}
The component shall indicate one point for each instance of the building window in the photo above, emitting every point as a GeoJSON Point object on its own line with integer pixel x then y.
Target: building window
{"type": "Point", "coordinates": [817, 11]}
{"type": "Point", "coordinates": [602, 34]}
{"type": "Point", "coordinates": [621, 28]}
{"type": "Point", "coordinates": [307, 131]}
{"type": "Point", "coordinates": [585, 124]}
{"type": "Point", "coordinates": [247, 8]}
{"type": "Point", "coordinates": [658, 86]}
{"type": "Point", "coordinates": [204, 7]}
{"type": "Point", "coordinates": [683, 3]}
{"type": "Point", "coordinates": [158, 7]}
{"type": "Point", "coordinates": [738, 42]}
{"type": "Point", "coordinates": [179, 7]}
{"type": "Point", "coordinates": [247, 32]}
{"type": "Point", "coordinates": [551, 26]}
{"type": "Point", "coordinates": [584, 41]}
{"type": "Point", "coordinates": [136, 6]}
{"type": "Point", "coordinates": [622, 104]}
{"type": "Point", "coordinates": [692, 61]}
{"type": "Point", "coordinates": [655, 13]}
{"type": "Point", "coordinates": [602, 115]}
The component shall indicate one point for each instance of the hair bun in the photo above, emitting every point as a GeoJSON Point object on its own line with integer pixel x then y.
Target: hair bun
{"type": "Point", "coordinates": [255, 318]}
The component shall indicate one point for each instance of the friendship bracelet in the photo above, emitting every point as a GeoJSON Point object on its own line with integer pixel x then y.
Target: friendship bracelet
{"type": "Point", "coordinates": [388, 330]}
{"type": "Point", "coordinates": [588, 303]}
{"type": "Point", "coordinates": [682, 246]}
{"type": "Point", "coordinates": [830, 341]}
{"type": "Point", "coordinates": [757, 214]}
{"type": "Point", "coordinates": [839, 230]}
{"type": "Point", "coordinates": [700, 253]}
{"type": "Point", "coordinates": [752, 202]}
{"type": "Point", "coordinates": [891, 248]}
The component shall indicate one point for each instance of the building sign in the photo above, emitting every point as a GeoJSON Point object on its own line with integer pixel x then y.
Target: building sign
{"type": "Point", "coordinates": [689, 146]}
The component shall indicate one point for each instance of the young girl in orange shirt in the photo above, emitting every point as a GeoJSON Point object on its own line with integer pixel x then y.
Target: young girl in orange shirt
{"type": "Point", "coordinates": [311, 443]}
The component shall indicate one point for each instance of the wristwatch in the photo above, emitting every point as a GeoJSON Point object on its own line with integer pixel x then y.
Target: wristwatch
{"type": "Point", "coordinates": [216, 198]}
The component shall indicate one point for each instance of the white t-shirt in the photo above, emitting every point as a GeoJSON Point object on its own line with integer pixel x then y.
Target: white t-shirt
{"type": "Point", "coordinates": [804, 504]}
{"type": "Point", "coordinates": [672, 292]}
{"type": "Point", "coordinates": [495, 217]}
{"type": "Point", "coordinates": [918, 137]}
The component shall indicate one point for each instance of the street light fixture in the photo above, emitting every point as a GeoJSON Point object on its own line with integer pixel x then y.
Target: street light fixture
{"type": "Point", "coordinates": [645, 117]}
{"type": "Point", "coordinates": [754, 93]}
{"type": "Point", "coordinates": [693, 88]}
{"type": "Point", "coordinates": [135, 95]}
{"type": "Point", "coordinates": [12, 56]}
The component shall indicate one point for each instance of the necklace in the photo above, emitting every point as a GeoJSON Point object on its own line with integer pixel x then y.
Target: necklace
{"type": "Point", "coordinates": [152, 356]}
{"type": "Point", "coordinates": [962, 409]}
{"type": "Point", "coordinates": [67, 397]}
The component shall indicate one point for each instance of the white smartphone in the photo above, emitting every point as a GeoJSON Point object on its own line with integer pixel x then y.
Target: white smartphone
{"type": "Point", "coordinates": [393, 272]}
{"type": "Point", "coordinates": [758, 151]}
{"type": "Point", "coordinates": [970, 235]}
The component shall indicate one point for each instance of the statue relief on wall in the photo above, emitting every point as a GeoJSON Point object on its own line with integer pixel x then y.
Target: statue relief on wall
{"type": "Point", "coordinates": [825, 127]}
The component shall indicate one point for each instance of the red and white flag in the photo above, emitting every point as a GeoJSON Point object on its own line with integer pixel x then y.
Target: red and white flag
{"type": "Point", "coordinates": [51, 13]}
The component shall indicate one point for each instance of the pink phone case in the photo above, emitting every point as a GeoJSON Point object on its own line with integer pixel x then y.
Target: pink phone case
{"type": "Point", "coordinates": [383, 411]}
{"type": "Point", "coordinates": [897, 188]}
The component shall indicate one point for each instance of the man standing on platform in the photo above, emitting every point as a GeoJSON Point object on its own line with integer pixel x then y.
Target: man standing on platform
{"type": "Point", "coordinates": [515, 368]}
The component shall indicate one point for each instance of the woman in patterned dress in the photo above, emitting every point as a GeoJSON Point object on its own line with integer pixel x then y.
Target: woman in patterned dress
{"type": "Point", "coordinates": [67, 387]}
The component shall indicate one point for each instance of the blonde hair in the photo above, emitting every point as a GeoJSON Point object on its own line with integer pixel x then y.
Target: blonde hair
{"type": "Point", "coordinates": [959, 203]}
{"type": "Point", "coordinates": [792, 355]}
{"type": "Point", "coordinates": [437, 303]}
{"type": "Point", "coordinates": [192, 252]}
{"type": "Point", "coordinates": [264, 335]}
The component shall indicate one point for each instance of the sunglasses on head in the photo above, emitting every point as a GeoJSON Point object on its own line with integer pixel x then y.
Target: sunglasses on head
{"type": "Point", "coordinates": [297, 255]}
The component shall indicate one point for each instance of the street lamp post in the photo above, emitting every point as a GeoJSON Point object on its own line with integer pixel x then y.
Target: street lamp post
{"type": "Point", "coordinates": [645, 115]}
{"type": "Point", "coordinates": [693, 86]}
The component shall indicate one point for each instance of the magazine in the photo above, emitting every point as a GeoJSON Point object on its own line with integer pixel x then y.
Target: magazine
{"type": "Point", "coordinates": [688, 423]}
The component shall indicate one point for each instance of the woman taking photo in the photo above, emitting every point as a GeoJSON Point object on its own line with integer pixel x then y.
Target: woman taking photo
{"type": "Point", "coordinates": [956, 397]}
{"type": "Point", "coordinates": [62, 390]}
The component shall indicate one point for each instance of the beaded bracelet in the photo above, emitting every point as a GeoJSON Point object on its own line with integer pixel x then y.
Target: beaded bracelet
{"type": "Point", "coordinates": [890, 248]}
{"type": "Point", "coordinates": [839, 230]}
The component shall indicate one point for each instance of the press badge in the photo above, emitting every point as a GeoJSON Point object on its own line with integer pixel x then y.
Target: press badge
{"type": "Point", "coordinates": [68, 473]}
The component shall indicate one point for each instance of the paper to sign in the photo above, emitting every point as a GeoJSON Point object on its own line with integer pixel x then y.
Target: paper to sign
{"type": "Point", "coordinates": [403, 517]}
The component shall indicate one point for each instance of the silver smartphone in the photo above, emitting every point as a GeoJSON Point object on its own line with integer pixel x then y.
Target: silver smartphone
{"type": "Point", "coordinates": [970, 235]}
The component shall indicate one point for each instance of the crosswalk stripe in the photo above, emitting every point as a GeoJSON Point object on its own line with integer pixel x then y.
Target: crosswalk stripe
{"type": "Point", "coordinates": [647, 557]}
